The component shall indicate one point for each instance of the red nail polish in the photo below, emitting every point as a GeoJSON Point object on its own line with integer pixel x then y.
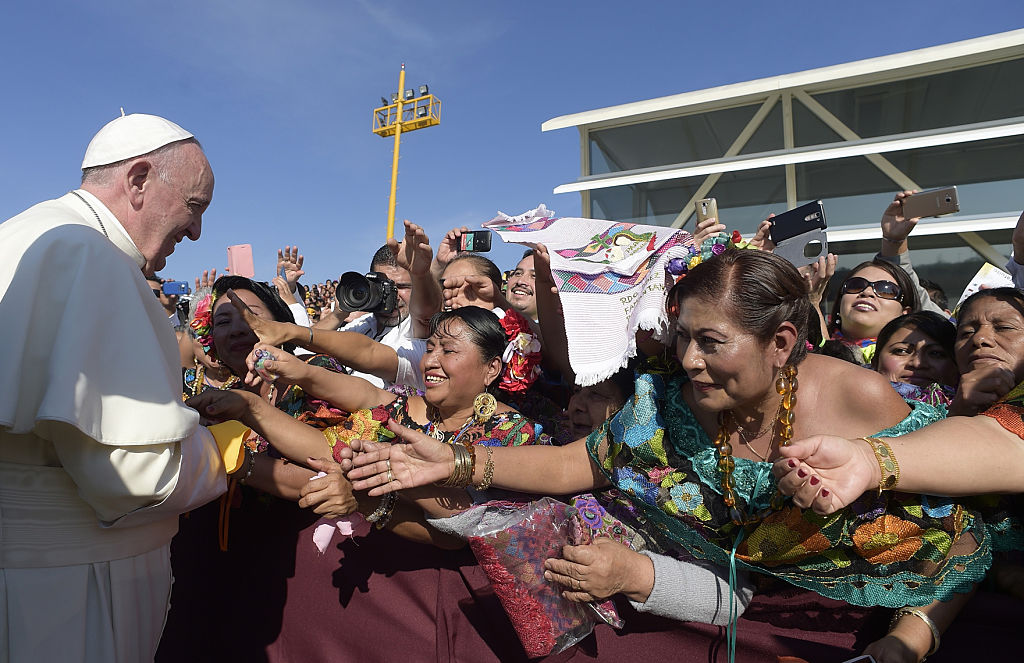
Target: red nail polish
{"type": "Point", "coordinates": [792, 463]}
{"type": "Point", "coordinates": [815, 481]}
{"type": "Point", "coordinates": [824, 492]}
{"type": "Point", "coordinates": [801, 473]}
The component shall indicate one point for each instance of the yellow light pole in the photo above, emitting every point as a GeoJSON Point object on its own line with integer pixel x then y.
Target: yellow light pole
{"type": "Point", "coordinates": [406, 112]}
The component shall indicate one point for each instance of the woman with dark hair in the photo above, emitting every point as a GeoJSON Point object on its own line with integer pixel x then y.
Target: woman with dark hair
{"type": "Point", "coordinates": [871, 295]}
{"type": "Point", "coordinates": [380, 574]}
{"type": "Point", "coordinates": [915, 351]}
{"type": "Point", "coordinates": [692, 452]}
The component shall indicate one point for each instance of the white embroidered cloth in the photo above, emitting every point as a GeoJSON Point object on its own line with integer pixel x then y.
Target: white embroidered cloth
{"type": "Point", "coordinates": [611, 281]}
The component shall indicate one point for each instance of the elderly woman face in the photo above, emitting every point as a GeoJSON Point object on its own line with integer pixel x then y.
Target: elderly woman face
{"type": "Point", "coordinates": [991, 333]}
{"type": "Point", "coordinates": [590, 406]}
{"type": "Point", "coordinates": [233, 339]}
{"type": "Point", "coordinates": [871, 298]}
{"type": "Point", "coordinates": [912, 356]}
{"type": "Point", "coordinates": [727, 365]}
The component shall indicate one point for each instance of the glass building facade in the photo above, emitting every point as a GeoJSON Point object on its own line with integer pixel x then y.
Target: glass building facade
{"type": "Point", "coordinates": [850, 135]}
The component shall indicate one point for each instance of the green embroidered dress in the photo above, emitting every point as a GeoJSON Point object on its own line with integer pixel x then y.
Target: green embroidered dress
{"type": "Point", "coordinates": [894, 550]}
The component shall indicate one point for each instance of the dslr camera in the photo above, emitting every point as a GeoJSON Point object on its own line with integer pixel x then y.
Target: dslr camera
{"type": "Point", "coordinates": [373, 292]}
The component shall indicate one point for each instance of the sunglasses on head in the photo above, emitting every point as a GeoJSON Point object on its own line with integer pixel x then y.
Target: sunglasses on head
{"type": "Point", "coordinates": [883, 289]}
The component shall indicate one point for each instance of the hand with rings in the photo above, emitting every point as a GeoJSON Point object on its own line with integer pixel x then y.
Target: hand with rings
{"type": "Point", "coordinates": [599, 570]}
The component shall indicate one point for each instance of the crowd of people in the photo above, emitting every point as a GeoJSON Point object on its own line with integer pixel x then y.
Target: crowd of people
{"type": "Point", "coordinates": [769, 480]}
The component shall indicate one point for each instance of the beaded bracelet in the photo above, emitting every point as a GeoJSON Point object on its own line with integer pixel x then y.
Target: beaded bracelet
{"type": "Point", "coordinates": [250, 456]}
{"type": "Point", "coordinates": [382, 513]}
{"type": "Point", "coordinates": [485, 483]}
{"type": "Point", "coordinates": [923, 617]}
{"type": "Point", "coordinates": [887, 464]}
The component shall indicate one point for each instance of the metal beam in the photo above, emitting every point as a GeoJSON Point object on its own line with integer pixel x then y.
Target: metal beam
{"type": "Point", "coordinates": [741, 140]}
{"type": "Point", "coordinates": [787, 142]}
{"type": "Point", "coordinates": [901, 179]}
{"type": "Point", "coordinates": [983, 249]}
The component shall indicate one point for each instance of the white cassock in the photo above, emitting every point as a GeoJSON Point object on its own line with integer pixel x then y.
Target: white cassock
{"type": "Point", "coordinates": [98, 455]}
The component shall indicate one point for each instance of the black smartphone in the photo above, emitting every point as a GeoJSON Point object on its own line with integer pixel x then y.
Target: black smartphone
{"type": "Point", "coordinates": [799, 234]}
{"type": "Point", "coordinates": [476, 240]}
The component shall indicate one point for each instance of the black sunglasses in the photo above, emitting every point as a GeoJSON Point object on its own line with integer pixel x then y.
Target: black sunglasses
{"type": "Point", "coordinates": [884, 289]}
{"type": "Point", "coordinates": [156, 291]}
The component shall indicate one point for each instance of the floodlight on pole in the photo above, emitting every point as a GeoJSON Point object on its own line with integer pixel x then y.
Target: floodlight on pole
{"type": "Point", "coordinates": [395, 118]}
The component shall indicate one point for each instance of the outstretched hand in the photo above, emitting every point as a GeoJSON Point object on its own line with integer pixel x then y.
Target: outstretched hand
{"type": "Point", "coordinates": [826, 473]}
{"type": "Point", "coordinates": [290, 260]}
{"type": "Point", "coordinates": [270, 332]}
{"type": "Point", "coordinates": [283, 367]}
{"type": "Point", "coordinates": [413, 253]}
{"type": "Point", "coordinates": [418, 460]}
{"type": "Point", "coordinates": [206, 281]}
{"type": "Point", "coordinates": [331, 495]}
{"type": "Point", "coordinates": [470, 290]}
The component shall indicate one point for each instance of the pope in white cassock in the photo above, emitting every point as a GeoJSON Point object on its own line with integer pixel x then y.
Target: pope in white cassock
{"type": "Point", "coordinates": [98, 455]}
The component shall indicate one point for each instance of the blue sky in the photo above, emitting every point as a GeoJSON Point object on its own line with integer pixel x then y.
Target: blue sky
{"type": "Point", "coordinates": [281, 95]}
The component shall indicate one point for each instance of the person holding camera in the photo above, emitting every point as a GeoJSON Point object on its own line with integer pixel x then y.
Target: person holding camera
{"type": "Point", "coordinates": [385, 292]}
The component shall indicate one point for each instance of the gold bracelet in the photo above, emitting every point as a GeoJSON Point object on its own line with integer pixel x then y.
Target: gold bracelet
{"type": "Point", "coordinates": [887, 464]}
{"type": "Point", "coordinates": [310, 335]}
{"type": "Point", "coordinates": [485, 483]}
{"type": "Point", "coordinates": [472, 459]}
{"type": "Point", "coordinates": [923, 617]}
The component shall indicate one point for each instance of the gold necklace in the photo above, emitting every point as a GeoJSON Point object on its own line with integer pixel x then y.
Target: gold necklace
{"type": "Point", "coordinates": [786, 385]}
{"type": "Point", "coordinates": [747, 441]}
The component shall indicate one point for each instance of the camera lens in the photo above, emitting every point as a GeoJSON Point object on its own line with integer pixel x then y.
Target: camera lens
{"type": "Point", "coordinates": [356, 293]}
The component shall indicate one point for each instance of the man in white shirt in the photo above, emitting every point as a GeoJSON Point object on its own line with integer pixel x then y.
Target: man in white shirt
{"type": "Point", "coordinates": [98, 455]}
{"type": "Point", "coordinates": [393, 329]}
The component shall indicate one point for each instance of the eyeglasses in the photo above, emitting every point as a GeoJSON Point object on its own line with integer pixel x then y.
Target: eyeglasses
{"type": "Point", "coordinates": [156, 291]}
{"type": "Point", "coordinates": [884, 289]}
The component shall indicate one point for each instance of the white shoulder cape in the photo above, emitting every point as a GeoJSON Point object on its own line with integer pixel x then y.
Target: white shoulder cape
{"type": "Point", "coordinates": [85, 342]}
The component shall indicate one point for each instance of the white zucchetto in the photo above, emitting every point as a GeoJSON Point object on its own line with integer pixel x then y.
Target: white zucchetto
{"type": "Point", "coordinates": [131, 136]}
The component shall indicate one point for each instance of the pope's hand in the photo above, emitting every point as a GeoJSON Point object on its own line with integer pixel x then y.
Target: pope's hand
{"type": "Point", "coordinates": [216, 405]}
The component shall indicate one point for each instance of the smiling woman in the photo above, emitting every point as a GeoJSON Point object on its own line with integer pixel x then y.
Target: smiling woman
{"type": "Point", "coordinates": [874, 293]}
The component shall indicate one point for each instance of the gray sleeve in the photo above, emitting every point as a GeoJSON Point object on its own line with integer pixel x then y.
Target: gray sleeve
{"type": "Point", "coordinates": [693, 591]}
{"type": "Point", "coordinates": [903, 261]}
{"type": "Point", "coordinates": [1016, 272]}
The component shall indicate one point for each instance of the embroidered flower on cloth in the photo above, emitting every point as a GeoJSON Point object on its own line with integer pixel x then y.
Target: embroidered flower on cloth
{"type": "Point", "coordinates": [365, 424]}
{"type": "Point", "coordinates": [522, 355]}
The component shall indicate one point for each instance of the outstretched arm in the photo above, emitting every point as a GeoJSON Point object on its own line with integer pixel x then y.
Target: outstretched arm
{"type": "Point", "coordinates": [827, 473]}
{"type": "Point", "coordinates": [415, 255]}
{"type": "Point", "coordinates": [420, 460]}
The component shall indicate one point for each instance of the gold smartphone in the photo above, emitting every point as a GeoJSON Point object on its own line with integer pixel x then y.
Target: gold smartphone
{"type": "Point", "coordinates": [933, 202]}
{"type": "Point", "coordinates": [706, 208]}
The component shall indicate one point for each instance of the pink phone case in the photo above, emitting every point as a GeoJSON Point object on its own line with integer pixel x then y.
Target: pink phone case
{"type": "Point", "coordinates": [240, 260]}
